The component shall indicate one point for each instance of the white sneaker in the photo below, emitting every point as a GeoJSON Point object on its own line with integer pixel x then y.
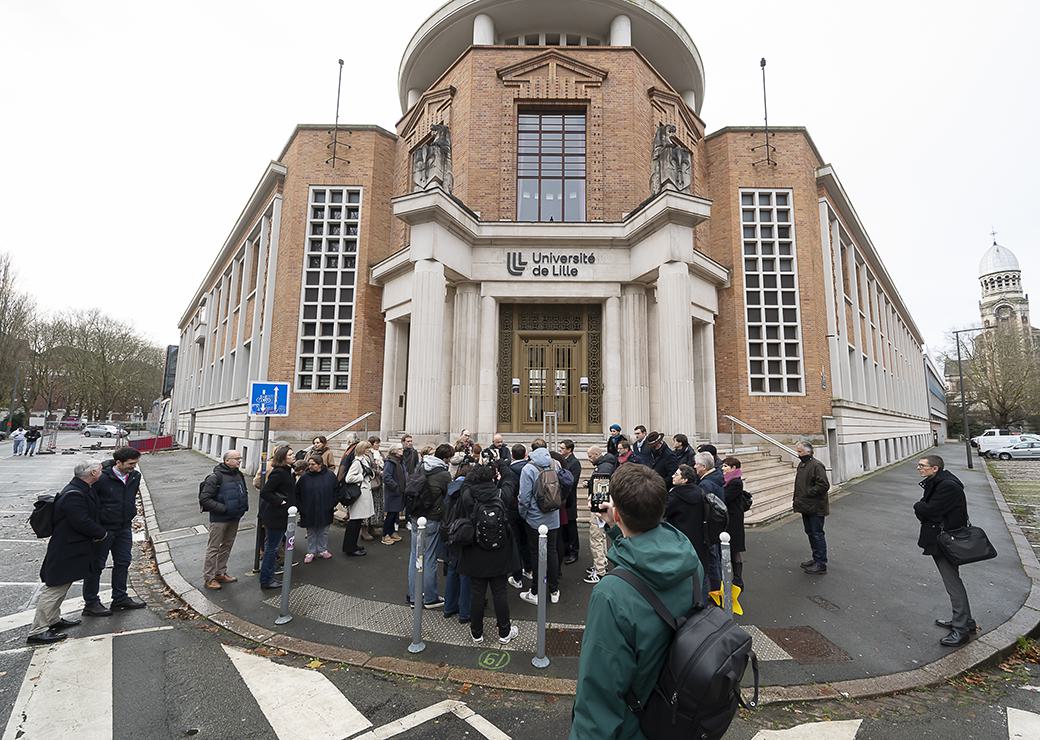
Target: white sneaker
{"type": "Point", "coordinates": [478, 639]}
{"type": "Point", "coordinates": [592, 577]}
{"type": "Point", "coordinates": [529, 597]}
{"type": "Point", "coordinates": [514, 583]}
{"type": "Point", "coordinates": [513, 632]}
{"type": "Point", "coordinates": [527, 574]}
{"type": "Point", "coordinates": [554, 597]}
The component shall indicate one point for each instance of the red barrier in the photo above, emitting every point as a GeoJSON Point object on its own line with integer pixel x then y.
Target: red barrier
{"type": "Point", "coordinates": [152, 444]}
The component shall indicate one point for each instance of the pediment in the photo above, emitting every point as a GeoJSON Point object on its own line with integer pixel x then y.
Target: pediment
{"type": "Point", "coordinates": [552, 74]}
{"type": "Point", "coordinates": [672, 109]}
{"type": "Point", "coordinates": [432, 108]}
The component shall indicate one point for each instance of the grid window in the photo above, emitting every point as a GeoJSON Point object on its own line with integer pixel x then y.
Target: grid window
{"type": "Point", "coordinates": [329, 282]}
{"type": "Point", "coordinates": [771, 293]}
{"type": "Point", "coordinates": [550, 166]}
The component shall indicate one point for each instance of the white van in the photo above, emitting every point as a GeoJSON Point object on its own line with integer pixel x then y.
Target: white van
{"type": "Point", "coordinates": [994, 439]}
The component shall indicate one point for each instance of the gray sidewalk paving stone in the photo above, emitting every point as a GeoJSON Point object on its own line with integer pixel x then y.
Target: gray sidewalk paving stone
{"type": "Point", "coordinates": [876, 604]}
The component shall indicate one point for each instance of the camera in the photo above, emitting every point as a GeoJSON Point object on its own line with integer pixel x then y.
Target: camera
{"type": "Point", "coordinates": [599, 491]}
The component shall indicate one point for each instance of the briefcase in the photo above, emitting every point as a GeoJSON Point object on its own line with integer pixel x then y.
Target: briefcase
{"type": "Point", "coordinates": [966, 545]}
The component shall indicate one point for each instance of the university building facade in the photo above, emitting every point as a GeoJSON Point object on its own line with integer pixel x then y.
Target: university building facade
{"type": "Point", "coordinates": [551, 229]}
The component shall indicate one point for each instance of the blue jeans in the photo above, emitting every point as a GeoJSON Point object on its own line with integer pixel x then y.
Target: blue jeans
{"type": "Point", "coordinates": [456, 594]}
{"type": "Point", "coordinates": [271, 542]}
{"type": "Point", "coordinates": [17, 446]}
{"type": "Point", "coordinates": [120, 542]}
{"type": "Point", "coordinates": [430, 547]}
{"type": "Point", "coordinates": [813, 524]}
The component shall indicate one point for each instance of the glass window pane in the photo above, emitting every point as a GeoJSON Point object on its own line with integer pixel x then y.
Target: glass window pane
{"type": "Point", "coordinates": [552, 200]}
{"type": "Point", "coordinates": [574, 205]}
{"type": "Point", "coordinates": [527, 200]}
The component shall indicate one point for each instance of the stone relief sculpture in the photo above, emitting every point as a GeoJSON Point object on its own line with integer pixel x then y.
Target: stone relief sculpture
{"type": "Point", "coordinates": [670, 162]}
{"type": "Point", "coordinates": [431, 162]}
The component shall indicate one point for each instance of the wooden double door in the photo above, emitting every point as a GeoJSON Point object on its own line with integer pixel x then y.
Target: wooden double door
{"type": "Point", "coordinates": [551, 366]}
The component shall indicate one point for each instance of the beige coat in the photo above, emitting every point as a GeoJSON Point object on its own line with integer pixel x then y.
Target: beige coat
{"type": "Point", "coordinates": [361, 472]}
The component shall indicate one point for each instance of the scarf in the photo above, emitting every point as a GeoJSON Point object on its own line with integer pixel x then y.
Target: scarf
{"type": "Point", "coordinates": [731, 475]}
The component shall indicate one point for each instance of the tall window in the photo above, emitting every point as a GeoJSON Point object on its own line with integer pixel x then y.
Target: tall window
{"type": "Point", "coordinates": [329, 281]}
{"type": "Point", "coordinates": [771, 292]}
{"type": "Point", "coordinates": [550, 166]}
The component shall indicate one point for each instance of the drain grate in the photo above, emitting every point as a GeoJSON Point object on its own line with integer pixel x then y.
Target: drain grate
{"type": "Point", "coordinates": [806, 645]}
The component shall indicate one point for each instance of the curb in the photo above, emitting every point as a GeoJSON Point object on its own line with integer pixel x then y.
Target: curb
{"type": "Point", "coordinates": [989, 646]}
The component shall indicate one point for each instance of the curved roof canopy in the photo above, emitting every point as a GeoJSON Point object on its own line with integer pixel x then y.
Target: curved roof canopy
{"type": "Point", "coordinates": [446, 34]}
{"type": "Point", "coordinates": [998, 259]}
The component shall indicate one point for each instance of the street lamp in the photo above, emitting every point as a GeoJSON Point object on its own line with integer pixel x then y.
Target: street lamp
{"type": "Point", "coordinates": [964, 406]}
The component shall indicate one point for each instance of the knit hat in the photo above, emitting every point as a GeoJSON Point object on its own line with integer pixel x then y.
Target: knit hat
{"type": "Point", "coordinates": [615, 427]}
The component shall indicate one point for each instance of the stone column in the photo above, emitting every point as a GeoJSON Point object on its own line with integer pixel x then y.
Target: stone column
{"type": "Point", "coordinates": [447, 314]}
{"type": "Point", "coordinates": [389, 399]}
{"type": "Point", "coordinates": [466, 362]}
{"type": "Point", "coordinates": [487, 416]}
{"type": "Point", "coordinates": [426, 385]}
{"type": "Point", "coordinates": [612, 328]}
{"type": "Point", "coordinates": [635, 401]}
{"type": "Point", "coordinates": [621, 31]}
{"type": "Point", "coordinates": [707, 405]}
{"type": "Point", "coordinates": [483, 30]}
{"type": "Point", "coordinates": [674, 338]}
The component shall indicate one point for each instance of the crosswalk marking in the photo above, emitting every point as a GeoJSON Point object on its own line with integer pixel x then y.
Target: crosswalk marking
{"type": "Point", "coordinates": [298, 703]}
{"type": "Point", "coordinates": [71, 673]}
{"type": "Point", "coordinates": [844, 730]}
{"type": "Point", "coordinates": [1022, 725]}
{"type": "Point", "coordinates": [23, 618]}
{"type": "Point", "coordinates": [432, 712]}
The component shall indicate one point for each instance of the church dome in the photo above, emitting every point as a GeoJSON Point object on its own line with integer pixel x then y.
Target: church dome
{"type": "Point", "coordinates": [998, 259]}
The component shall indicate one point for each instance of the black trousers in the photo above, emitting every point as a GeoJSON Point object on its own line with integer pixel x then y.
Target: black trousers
{"type": "Point", "coordinates": [552, 564]}
{"type": "Point", "coordinates": [500, 598]}
{"type": "Point", "coordinates": [570, 532]}
{"type": "Point", "coordinates": [520, 543]}
{"type": "Point", "coordinates": [350, 536]}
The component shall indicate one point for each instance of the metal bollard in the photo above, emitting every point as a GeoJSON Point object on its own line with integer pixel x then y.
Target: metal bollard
{"type": "Point", "coordinates": [727, 574]}
{"type": "Point", "coordinates": [418, 645]}
{"type": "Point", "coordinates": [290, 543]}
{"type": "Point", "coordinates": [540, 660]}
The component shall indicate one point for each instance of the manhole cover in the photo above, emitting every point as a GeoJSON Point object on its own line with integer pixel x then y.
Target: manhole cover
{"type": "Point", "coordinates": [563, 642]}
{"type": "Point", "coordinates": [806, 645]}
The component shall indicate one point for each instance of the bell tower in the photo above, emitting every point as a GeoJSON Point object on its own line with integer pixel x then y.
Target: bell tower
{"type": "Point", "coordinates": [1000, 278]}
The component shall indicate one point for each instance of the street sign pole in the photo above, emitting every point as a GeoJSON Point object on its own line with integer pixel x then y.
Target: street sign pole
{"type": "Point", "coordinates": [263, 478]}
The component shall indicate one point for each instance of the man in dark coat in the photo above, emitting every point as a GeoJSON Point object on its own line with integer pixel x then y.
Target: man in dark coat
{"type": "Point", "coordinates": [570, 531]}
{"type": "Point", "coordinates": [117, 497]}
{"type": "Point", "coordinates": [501, 448]}
{"type": "Point", "coordinates": [518, 453]}
{"type": "Point", "coordinates": [70, 552]}
{"type": "Point", "coordinates": [660, 457]}
{"type": "Point", "coordinates": [224, 496]}
{"type": "Point", "coordinates": [684, 510]}
{"type": "Point", "coordinates": [714, 453]}
{"type": "Point", "coordinates": [711, 480]}
{"type": "Point", "coordinates": [810, 500]}
{"type": "Point", "coordinates": [409, 454]}
{"type": "Point", "coordinates": [944, 507]}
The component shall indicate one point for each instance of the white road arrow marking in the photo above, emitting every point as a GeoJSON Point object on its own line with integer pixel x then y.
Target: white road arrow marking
{"type": "Point", "coordinates": [845, 730]}
{"type": "Point", "coordinates": [448, 706]}
{"type": "Point", "coordinates": [1022, 725]}
{"type": "Point", "coordinates": [299, 704]}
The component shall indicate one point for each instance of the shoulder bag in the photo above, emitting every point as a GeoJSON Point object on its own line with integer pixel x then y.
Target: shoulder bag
{"type": "Point", "coordinates": [965, 545]}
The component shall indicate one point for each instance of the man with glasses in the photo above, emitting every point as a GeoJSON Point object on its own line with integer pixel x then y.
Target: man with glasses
{"type": "Point", "coordinates": [943, 506]}
{"type": "Point", "coordinates": [811, 487]}
{"type": "Point", "coordinates": [223, 495]}
{"type": "Point", "coordinates": [661, 458]}
{"type": "Point", "coordinates": [116, 489]}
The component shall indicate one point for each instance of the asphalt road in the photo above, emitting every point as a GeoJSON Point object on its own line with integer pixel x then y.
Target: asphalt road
{"type": "Point", "coordinates": [172, 675]}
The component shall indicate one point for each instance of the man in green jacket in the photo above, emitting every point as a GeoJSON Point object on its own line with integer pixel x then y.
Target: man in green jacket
{"type": "Point", "coordinates": [625, 642]}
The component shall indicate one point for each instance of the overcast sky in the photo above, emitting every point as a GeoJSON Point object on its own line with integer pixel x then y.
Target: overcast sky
{"type": "Point", "coordinates": [134, 132]}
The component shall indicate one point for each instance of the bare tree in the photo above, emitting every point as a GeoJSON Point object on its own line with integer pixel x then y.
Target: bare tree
{"type": "Point", "coordinates": [1002, 369]}
{"type": "Point", "coordinates": [15, 311]}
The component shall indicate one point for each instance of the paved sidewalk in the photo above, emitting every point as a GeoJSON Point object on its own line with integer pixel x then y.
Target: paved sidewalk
{"type": "Point", "coordinates": [869, 617]}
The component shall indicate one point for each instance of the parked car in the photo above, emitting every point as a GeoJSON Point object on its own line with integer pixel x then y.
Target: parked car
{"type": "Point", "coordinates": [995, 439]}
{"type": "Point", "coordinates": [100, 430]}
{"type": "Point", "coordinates": [1022, 451]}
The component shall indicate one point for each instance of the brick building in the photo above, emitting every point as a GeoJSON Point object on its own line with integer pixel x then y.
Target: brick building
{"type": "Point", "coordinates": [551, 229]}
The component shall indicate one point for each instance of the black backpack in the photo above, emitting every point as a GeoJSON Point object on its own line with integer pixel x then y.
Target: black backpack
{"type": "Point", "coordinates": [490, 525]}
{"type": "Point", "coordinates": [417, 494]}
{"type": "Point", "coordinates": [42, 517]}
{"type": "Point", "coordinates": [698, 691]}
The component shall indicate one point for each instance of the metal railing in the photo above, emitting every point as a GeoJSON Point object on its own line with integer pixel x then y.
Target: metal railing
{"type": "Point", "coordinates": [551, 429]}
{"type": "Point", "coordinates": [734, 422]}
{"type": "Point", "coordinates": [346, 428]}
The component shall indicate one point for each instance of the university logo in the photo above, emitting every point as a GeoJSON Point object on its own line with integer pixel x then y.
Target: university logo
{"type": "Point", "coordinates": [515, 263]}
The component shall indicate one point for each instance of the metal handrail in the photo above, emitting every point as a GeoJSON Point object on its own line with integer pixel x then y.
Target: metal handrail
{"type": "Point", "coordinates": [762, 435]}
{"type": "Point", "coordinates": [350, 424]}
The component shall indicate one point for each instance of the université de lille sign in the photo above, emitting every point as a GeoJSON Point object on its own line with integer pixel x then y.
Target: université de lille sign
{"type": "Point", "coordinates": [548, 264]}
